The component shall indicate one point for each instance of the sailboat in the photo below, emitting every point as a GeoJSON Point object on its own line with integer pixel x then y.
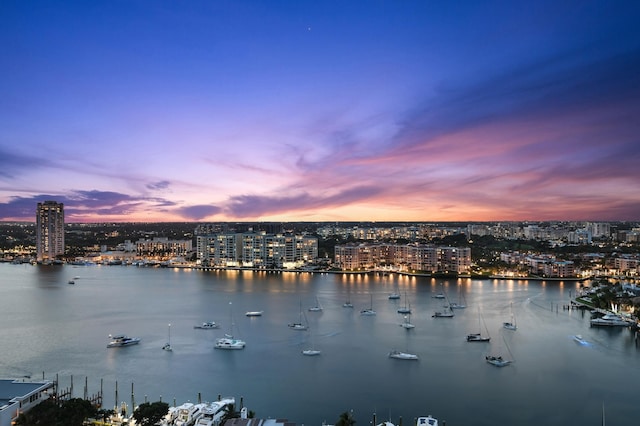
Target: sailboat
{"type": "Point", "coordinates": [228, 341]}
{"type": "Point", "coordinates": [368, 311]}
{"type": "Point", "coordinates": [317, 307]}
{"type": "Point", "coordinates": [460, 304]}
{"type": "Point", "coordinates": [477, 337]}
{"type": "Point", "coordinates": [511, 325]}
{"type": "Point", "coordinates": [407, 324]}
{"type": "Point", "coordinates": [406, 309]}
{"type": "Point", "coordinates": [347, 303]}
{"type": "Point", "coordinates": [498, 360]}
{"type": "Point", "coordinates": [312, 351]}
{"type": "Point", "coordinates": [167, 346]}
{"type": "Point", "coordinates": [447, 312]}
{"type": "Point", "coordinates": [299, 325]}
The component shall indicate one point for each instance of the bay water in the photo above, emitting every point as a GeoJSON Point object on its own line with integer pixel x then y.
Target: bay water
{"type": "Point", "coordinates": [61, 330]}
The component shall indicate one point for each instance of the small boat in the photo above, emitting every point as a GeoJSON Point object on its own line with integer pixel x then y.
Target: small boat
{"type": "Point", "coordinates": [167, 346]}
{"type": "Point", "coordinates": [427, 421]}
{"type": "Point", "coordinates": [347, 304]}
{"type": "Point", "coordinates": [438, 296]}
{"type": "Point", "coordinates": [407, 324]}
{"type": "Point", "coordinates": [300, 325]}
{"type": "Point", "coordinates": [394, 296]}
{"type": "Point", "coordinates": [72, 281]}
{"type": "Point", "coordinates": [229, 342]}
{"type": "Point", "coordinates": [402, 355]}
{"type": "Point", "coordinates": [311, 352]}
{"type": "Point", "coordinates": [477, 337]}
{"type": "Point", "coordinates": [446, 313]}
{"type": "Point", "coordinates": [406, 309]}
{"type": "Point", "coordinates": [579, 339]}
{"type": "Point", "coordinates": [317, 307]}
{"type": "Point", "coordinates": [368, 311]}
{"type": "Point", "coordinates": [122, 340]}
{"type": "Point", "coordinates": [207, 326]}
{"type": "Point", "coordinates": [610, 320]}
{"type": "Point", "coordinates": [498, 361]}
{"type": "Point", "coordinates": [511, 325]}
{"type": "Point", "coordinates": [254, 313]}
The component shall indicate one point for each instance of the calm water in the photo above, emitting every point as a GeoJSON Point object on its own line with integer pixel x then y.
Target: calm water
{"type": "Point", "coordinates": [51, 326]}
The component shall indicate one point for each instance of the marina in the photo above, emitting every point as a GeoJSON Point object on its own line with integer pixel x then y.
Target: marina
{"type": "Point", "coordinates": [61, 330]}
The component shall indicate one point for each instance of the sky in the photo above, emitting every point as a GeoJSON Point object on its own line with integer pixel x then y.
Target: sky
{"type": "Point", "coordinates": [405, 110]}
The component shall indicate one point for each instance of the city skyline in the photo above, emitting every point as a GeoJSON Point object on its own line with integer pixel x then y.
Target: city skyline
{"type": "Point", "coordinates": [165, 111]}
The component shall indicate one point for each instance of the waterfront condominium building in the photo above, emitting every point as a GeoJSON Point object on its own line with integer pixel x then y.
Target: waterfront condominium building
{"type": "Point", "coordinates": [49, 231]}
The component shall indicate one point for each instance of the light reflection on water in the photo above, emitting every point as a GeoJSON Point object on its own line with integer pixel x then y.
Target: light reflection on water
{"type": "Point", "coordinates": [51, 326]}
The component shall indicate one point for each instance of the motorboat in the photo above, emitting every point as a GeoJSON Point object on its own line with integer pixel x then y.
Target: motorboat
{"type": "Point", "coordinates": [394, 296]}
{"type": "Point", "coordinates": [297, 326]}
{"type": "Point", "coordinates": [477, 337]}
{"type": "Point", "coordinates": [189, 414]}
{"type": "Point", "coordinates": [402, 355]}
{"type": "Point", "coordinates": [122, 340]}
{"type": "Point", "coordinates": [207, 326]}
{"type": "Point", "coordinates": [254, 313]}
{"type": "Point", "coordinates": [427, 421]}
{"type": "Point", "coordinates": [610, 320]}
{"type": "Point", "coordinates": [311, 352]}
{"type": "Point", "coordinates": [579, 339]}
{"type": "Point", "coordinates": [214, 412]}
{"type": "Point", "coordinates": [498, 361]}
{"type": "Point", "coordinates": [72, 281]}
{"type": "Point", "coordinates": [229, 342]}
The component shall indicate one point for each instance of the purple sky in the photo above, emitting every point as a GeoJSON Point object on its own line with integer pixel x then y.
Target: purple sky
{"type": "Point", "coordinates": [320, 110]}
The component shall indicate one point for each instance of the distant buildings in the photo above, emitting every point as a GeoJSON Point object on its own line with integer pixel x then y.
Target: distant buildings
{"type": "Point", "coordinates": [49, 231]}
{"type": "Point", "coordinates": [403, 257]}
{"type": "Point", "coordinates": [256, 250]}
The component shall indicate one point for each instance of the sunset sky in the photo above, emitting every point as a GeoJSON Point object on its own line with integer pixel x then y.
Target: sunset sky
{"type": "Point", "coordinates": [320, 110]}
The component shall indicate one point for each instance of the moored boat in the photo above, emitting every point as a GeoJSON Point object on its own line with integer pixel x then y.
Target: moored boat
{"type": "Point", "coordinates": [610, 320]}
{"type": "Point", "coordinates": [498, 361]}
{"type": "Point", "coordinates": [402, 355]}
{"type": "Point", "coordinates": [122, 340]}
{"type": "Point", "coordinates": [427, 421]}
{"type": "Point", "coordinates": [229, 342]}
{"type": "Point", "coordinates": [254, 313]}
{"type": "Point", "coordinates": [207, 325]}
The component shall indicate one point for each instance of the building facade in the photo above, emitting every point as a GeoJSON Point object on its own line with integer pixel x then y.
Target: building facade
{"type": "Point", "coordinates": [403, 257]}
{"type": "Point", "coordinates": [49, 231]}
{"type": "Point", "coordinates": [256, 250]}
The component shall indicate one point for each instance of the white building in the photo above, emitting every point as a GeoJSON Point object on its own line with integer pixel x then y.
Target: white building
{"type": "Point", "coordinates": [17, 397]}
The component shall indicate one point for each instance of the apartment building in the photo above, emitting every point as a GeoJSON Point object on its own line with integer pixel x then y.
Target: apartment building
{"type": "Point", "coordinates": [49, 231]}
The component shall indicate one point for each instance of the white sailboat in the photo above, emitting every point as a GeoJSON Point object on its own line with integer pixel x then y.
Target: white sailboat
{"type": "Point", "coordinates": [407, 324]}
{"type": "Point", "coordinates": [167, 346]}
{"type": "Point", "coordinates": [300, 325]}
{"type": "Point", "coordinates": [460, 304]}
{"type": "Point", "coordinates": [368, 311]}
{"type": "Point", "coordinates": [511, 325]}
{"type": "Point", "coordinates": [317, 307]}
{"type": "Point", "coordinates": [406, 309]}
{"type": "Point", "coordinates": [229, 341]}
{"type": "Point", "coordinates": [311, 351]}
{"type": "Point", "coordinates": [447, 312]}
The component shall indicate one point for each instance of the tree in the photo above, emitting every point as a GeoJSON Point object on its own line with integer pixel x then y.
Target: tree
{"type": "Point", "coordinates": [346, 419]}
{"type": "Point", "coordinates": [150, 413]}
{"type": "Point", "coordinates": [72, 412]}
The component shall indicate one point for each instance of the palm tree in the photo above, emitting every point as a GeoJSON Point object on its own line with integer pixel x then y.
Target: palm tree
{"type": "Point", "coordinates": [346, 419]}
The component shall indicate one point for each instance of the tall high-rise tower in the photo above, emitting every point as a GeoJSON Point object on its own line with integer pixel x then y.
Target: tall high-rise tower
{"type": "Point", "coordinates": [49, 230]}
